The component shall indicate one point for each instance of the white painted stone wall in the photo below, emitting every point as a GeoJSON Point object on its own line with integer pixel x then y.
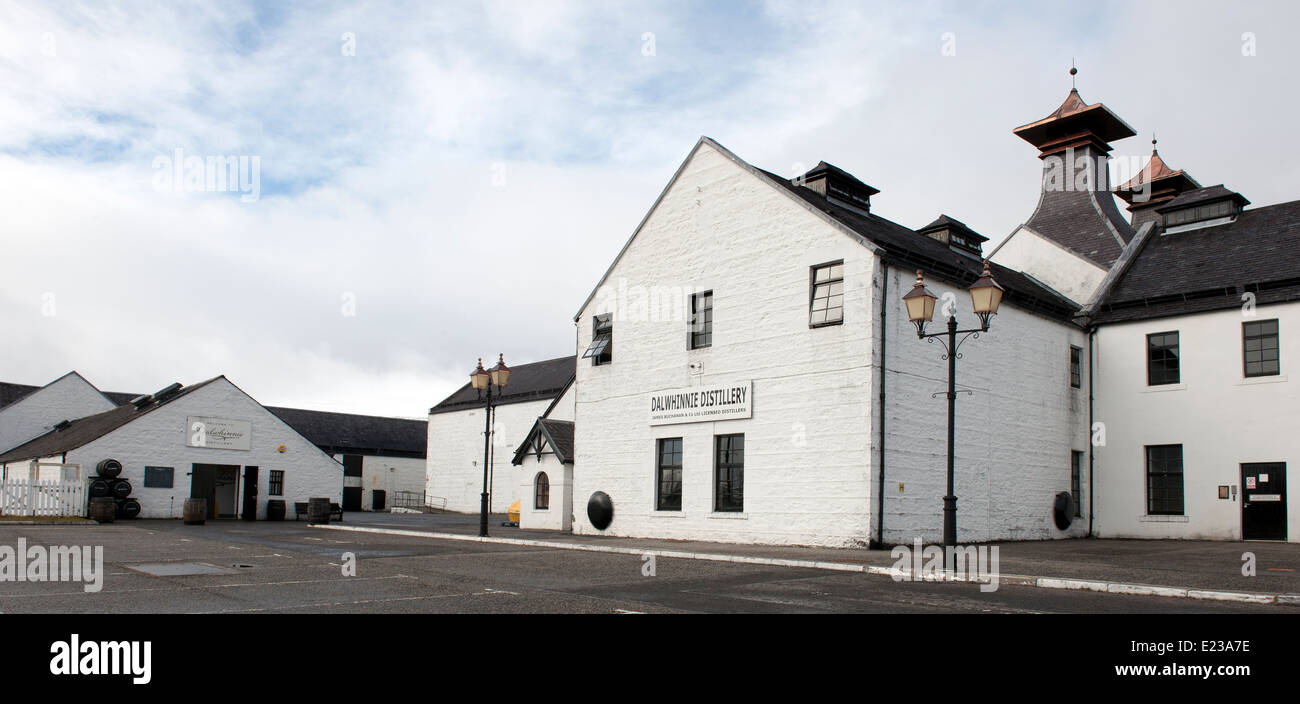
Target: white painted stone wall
{"type": "Point", "coordinates": [67, 398]}
{"type": "Point", "coordinates": [158, 439]}
{"type": "Point", "coordinates": [558, 515]}
{"type": "Point", "coordinates": [1069, 274]}
{"type": "Point", "coordinates": [564, 408]}
{"type": "Point", "coordinates": [1014, 432]}
{"type": "Point", "coordinates": [1221, 419]}
{"type": "Point", "coordinates": [455, 455]}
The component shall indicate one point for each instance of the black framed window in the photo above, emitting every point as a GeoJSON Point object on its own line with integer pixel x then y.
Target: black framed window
{"type": "Point", "coordinates": [1076, 481]}
{"type": "Point", "coordinates": [826, 298]}
{"type": "Point", "coordinates": [1260, 348]}
{"type": "Point", "coordinates": [1162, 358]}
{"type": "Point", "coordinates": [1076, 367]}
{"type": "Point", "coordinates": [729, 473]}
{"type": "Point", "coordinates": [276, 485]}
{"type": "Point", "coordinates": [1165, 480]}
{"type": "Point", "coordinates": [701, 330]}
{"type": "Point", "coordinates": [668, 492]}
{"type": "Point", "coordinates": [159, 477]}
{"type": "Point", "coordinates": [601, 350]}
{"type": "Point", "coordinates": [542, 492]}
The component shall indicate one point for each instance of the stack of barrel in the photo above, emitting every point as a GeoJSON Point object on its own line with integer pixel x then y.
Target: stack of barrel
{"type": "Point", "coordinates": [107, 484]}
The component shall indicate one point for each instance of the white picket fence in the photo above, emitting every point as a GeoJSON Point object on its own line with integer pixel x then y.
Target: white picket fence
{"type": "Point", "coordinates": [50, 497]}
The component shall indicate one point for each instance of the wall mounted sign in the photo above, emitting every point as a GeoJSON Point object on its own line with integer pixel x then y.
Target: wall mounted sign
{"type": "Point", "coordinates": [697, 404]}
{"type": "Point", "coordinates": [218, 433]}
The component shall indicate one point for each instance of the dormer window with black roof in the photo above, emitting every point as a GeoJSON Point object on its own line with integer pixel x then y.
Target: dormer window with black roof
{"type": "Point", "coordinates": [1203, 207]}
{"type": "Point", "coordinates": [839, 186]}
{"type": "Point", "coordinates": [956, 235]}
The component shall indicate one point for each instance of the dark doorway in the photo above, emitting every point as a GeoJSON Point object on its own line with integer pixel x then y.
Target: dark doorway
{"type": "Point", "coordinates": [250, 494]}
{"type": "Point", "coordinates": [352, 482]}
{"type": "Point", "coordinates": [203, 485]}
{"type": "Point", "coordinates": [379, 498]}
{"type": "Point", "coordinates": [1263, 501]}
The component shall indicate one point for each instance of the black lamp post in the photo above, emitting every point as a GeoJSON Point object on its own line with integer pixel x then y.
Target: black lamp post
{"type": "Point", "coordinates": [483, 380]}
{"type": "Point", "coordinates": [985, 296]}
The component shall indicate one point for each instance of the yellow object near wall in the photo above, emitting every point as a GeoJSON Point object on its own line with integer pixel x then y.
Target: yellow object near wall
{"type": "Point", "coordinates": [512, 514]}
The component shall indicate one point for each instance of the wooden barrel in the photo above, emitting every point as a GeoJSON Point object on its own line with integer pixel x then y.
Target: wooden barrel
{"type": "Point", "coordinates": [102, 509]}
{"type": "Point", "coordinates": [100, 488]}
{"type": "Point", "coordinates": [128, 508]}
{"type": "Point", "coordinates": [196, 512]}
{"type": "Point", "coordinates": [318, 511]}
{"type": "Point", "coordinates": [120, 488]}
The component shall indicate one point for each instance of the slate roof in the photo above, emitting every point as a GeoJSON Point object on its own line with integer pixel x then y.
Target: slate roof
{"type": "Point", "coordinates": [944, 222]}
{"type": "Point", "coordinates": [535, 381]}
{"type": "Point", "coordinates": [1211, 268]}
{"type": "Point", "coordinates": [12, 393]}
{"type": "Point", "coordinates": [347, 433]}
{"type": "Point", "coordinates": [558, 434]}
{"type": "Point", "coordinates": [906, 248]}
{"type": "Point", "coordinates": [81, 431]}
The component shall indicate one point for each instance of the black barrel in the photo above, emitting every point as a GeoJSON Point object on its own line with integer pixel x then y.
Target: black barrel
{"type": "Point", "coordinates": [108, 468]}
{"type": "Point", "coordinates": [102, 509]}
{"type": "Point", "coordinates": [121, 488]}
{"type": "Point", "coordinates": [275, 510]}
{"type": "Point", "coordinates": [318, 511]}
{"type": "Point", "coordinates": [100, 488]}
{"type": "Point", "coordinates": [196, 511]}
{"type": "Point", "coordinates": [128, 508]}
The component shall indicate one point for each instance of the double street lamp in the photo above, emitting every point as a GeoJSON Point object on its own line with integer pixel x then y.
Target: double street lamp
{"type": "Point", "coordinates": [483, 380]}
{"type": "Point", "coordinates": [985, 296]}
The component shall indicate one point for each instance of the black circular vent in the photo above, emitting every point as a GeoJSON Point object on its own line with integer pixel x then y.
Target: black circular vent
{"type": "Point", "coordinates": [600, 510]}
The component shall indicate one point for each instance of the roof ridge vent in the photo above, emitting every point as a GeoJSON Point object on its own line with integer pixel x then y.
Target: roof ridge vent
{"type": "Point", "coordinates": [166, 392]}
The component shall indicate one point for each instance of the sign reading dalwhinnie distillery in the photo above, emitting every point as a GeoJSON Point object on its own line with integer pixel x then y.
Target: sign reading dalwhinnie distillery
{"type": "Point", "coordinates": [701, 403]}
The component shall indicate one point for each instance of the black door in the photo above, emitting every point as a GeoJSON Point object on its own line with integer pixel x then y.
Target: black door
{"type": "Point", "coordinates": [351, 498]}
{"type": "Point", "coordinates": [1263, 501]}
{"type": "Point", "coordinates": [352, 482]}
{"type": "Point", "coordinates": [203, 485]}
{"type": "Point", "coordinates": [250, 494]}
{"type": "Point", "coordinates": [380, 499]}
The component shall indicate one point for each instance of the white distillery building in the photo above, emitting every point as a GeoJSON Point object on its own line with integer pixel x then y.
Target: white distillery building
{"type": "Point", "coordinates": [456, 426]}
{"type": "Point", "coordinates": [748, 373]}
{"type": "Point", "coordinates": [209, 440]}
{"type": "Point", "coordinates": [1193, 310]}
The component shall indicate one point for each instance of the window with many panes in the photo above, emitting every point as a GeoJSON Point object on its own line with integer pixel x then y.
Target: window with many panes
{"type": "Point", "coordinates": [276, 487]}
{"type": "Point", "coordinates": [1162, 358]}
{"type": "Point", "coordinates": [601, 349]}
{"type": "Point", "coordinates": [1260, 348]}
{"type": "Point", "coordinates": [729, 473]}
{"type": "Point", "coordinates": [826, 306]}
{"type": "Point", "coordinates": [668, 491]}
{"type": "Point", "coordinates": [542, 492]}
{"type": "Point", "coordinates": [1076, 367]}
{"type": "Point", "coordinates": [1076, 481]}
{"type": "Point", "coordinates": [1165, 480]}
{"type": "Point", "coordinates": [701, 327]}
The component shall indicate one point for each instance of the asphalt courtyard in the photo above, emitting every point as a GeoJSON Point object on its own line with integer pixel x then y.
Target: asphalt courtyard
{"type": "Point", "coordinates": [238, 567]}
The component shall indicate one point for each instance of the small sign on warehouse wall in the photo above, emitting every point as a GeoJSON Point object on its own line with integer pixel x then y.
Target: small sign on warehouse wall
{"type": "Point", "coordinates": [218, 433]}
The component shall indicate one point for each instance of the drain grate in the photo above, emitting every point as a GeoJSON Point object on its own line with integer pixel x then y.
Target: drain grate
{"type": "Point", "coordinates": [177, 569]}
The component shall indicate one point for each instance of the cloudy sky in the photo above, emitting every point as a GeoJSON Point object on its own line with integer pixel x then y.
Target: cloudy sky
{"type": "Point", "coordinates": [443, 181]}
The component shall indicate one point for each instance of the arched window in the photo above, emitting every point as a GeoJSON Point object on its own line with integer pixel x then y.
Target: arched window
{"type": "Point", "coordinates": [542, 492]}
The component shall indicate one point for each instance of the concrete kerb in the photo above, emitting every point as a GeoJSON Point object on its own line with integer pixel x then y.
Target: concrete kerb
{"type": "Point", "coordinates": [892, 572]}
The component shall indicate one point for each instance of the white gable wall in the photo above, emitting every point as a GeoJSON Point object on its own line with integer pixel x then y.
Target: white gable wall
{"type": "Point", "coordinates": [807, 456]}
{"type": "Point", "coordinates": [158, 438]}
{"type": "Point", "coordinates": [1069, 274]}
{"type": "Point", "coordinates": [66, 398]}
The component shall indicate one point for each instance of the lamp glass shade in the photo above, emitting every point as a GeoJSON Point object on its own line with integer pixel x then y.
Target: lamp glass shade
{"type": "Point", "coordinates": [985, 294]}
{"type": "Point", "coordinates": [478, 379]}
{"type": "Point", "coordinates": [919, 302]}
{"type": "Point", "coordinates": [501, 373]}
